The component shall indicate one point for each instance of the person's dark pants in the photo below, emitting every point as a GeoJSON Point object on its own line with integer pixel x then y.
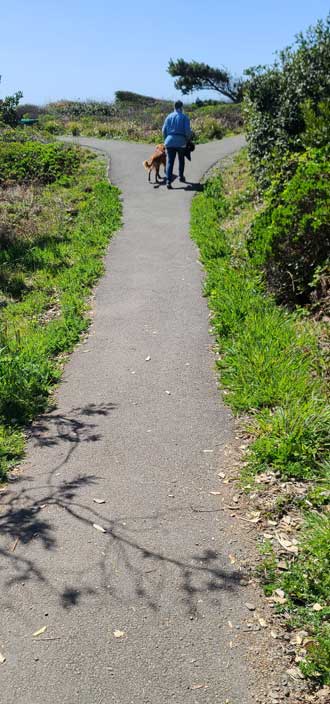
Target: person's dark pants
{"type": "Point", "coordinates": [171, 154]}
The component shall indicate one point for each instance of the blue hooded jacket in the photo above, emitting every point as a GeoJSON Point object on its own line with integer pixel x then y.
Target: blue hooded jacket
{"type": "Point", "coordinates": [176, 130]}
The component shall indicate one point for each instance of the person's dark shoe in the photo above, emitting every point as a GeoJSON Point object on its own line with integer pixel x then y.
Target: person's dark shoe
{"type": "Point", "coordinates": [182, 179]}
{"type": "Point", "coordinates": [169, 186]}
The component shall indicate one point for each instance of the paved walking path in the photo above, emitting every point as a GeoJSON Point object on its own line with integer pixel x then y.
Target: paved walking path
{"type": "Point", "coordinates": [140, 425]}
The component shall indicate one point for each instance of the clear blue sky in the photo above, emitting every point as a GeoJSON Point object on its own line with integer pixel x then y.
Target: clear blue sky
{"type": "Point", "coordinates": [54, 49]}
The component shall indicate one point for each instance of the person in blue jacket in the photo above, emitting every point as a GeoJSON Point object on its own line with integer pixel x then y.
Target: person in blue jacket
{"type": "Point", "coordinates": [176, 132]}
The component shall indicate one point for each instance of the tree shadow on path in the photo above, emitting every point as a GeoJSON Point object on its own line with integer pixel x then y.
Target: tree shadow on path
{"type": "Point", "coordinates": [131, 543]}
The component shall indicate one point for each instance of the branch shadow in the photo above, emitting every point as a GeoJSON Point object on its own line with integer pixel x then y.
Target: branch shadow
{"type": "Point", "coordinates": [54, 428]}
{"type": "Point", "coordinates": [145, 571]}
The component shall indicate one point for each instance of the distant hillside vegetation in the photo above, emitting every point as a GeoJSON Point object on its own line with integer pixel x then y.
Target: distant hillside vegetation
{"type": "Point", "coordinates": [133, 117]}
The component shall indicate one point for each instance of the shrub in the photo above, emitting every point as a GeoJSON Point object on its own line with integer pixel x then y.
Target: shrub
{"type": "Point", "coordinates": [230, 115]}
{"type": "Point", "coordinates": [8, 105]}
{"type": "Point", "coordinates": [275, 97]}
{"type": "Point", "coordinates": [78, 108]}
{"type": "Point", "coordinates": [207, 128]}
{"type": "Point", "coordinates": [74, 128]}
{"type": "Point", "coordinates": [52, 126]}
{"type": "Point", "coordinates": [317, 124]}
{"type": "Point", "coordinates": [290, 239]}
{"type": "Point", "coordinates": [21, 134]}
{"type": "Point", "coordinates": [35, 161]}
{"type": "Point", "coordinates": [103, 129]}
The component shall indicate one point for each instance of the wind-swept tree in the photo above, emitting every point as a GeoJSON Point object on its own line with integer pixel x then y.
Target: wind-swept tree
{"type": "Point", "coordinates": [191, 76]}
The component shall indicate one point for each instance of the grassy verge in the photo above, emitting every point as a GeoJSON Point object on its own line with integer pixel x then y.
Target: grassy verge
{"type": "Point", "coordinates": [52, 241]}
{"type": "Point", "coordinates": [273, 369]}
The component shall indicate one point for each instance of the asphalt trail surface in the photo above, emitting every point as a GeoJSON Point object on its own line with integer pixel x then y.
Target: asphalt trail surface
{"type": "Point", "coordinates": [138, 613]}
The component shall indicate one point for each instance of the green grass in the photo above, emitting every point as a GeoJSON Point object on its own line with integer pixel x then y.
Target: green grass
{"type": "Point", "coordinates": [52, 242]}
{"type": "Point", "coordinates": [294, 439]}
{"type": "Point", "coordinates": [308, 583]}
{"type": "Point", "coordinates": [271, 364]}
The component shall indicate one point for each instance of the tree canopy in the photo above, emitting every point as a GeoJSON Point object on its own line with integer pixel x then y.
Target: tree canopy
{"type": "Point", "coordinates": [8, 107]}
{"type": "Point", "coordinates": [192, 75]}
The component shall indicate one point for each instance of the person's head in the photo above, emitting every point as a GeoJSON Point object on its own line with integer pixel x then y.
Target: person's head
{"type": "Point", "coordinates": [178, 104]}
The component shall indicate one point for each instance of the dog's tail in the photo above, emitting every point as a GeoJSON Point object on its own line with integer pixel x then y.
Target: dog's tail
{"type": "Point", "coordinates": [146, 164]}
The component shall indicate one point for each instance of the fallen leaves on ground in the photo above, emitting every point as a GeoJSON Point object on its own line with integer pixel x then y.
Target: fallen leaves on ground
{"type": "Point", "coordinates": [254, 517]}
{"type": "Point", "coordinates": [324, 694]}
{"type": "Point", "coordinates": [280, 592]}
{"type": "Point", "coordinates": [39, 632]}
{"type": "Point", "coordinates": [262, 622]}
{"type": "Point", "coordinates": [282, 565]}
{"type": "Point", "coordinates": [199, 686]}
{"type": "Point", "coordinates": [278, 597]}
{"type": "Point", "coordinates": [289, 545]}
{"type": "Point", "coordinates": [295, 673]}
{"type": "Point", "coordinates": [298, 637]}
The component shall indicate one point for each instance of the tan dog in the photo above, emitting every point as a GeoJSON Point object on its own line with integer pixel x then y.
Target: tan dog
{"type": "Point", "coordinates": [155, 161]}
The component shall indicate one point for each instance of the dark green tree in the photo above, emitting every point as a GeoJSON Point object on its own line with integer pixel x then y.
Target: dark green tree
{"type": "Point", "coordinates": [8, 107]}
{"type": "Point", "coordinates": [192, 75]}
